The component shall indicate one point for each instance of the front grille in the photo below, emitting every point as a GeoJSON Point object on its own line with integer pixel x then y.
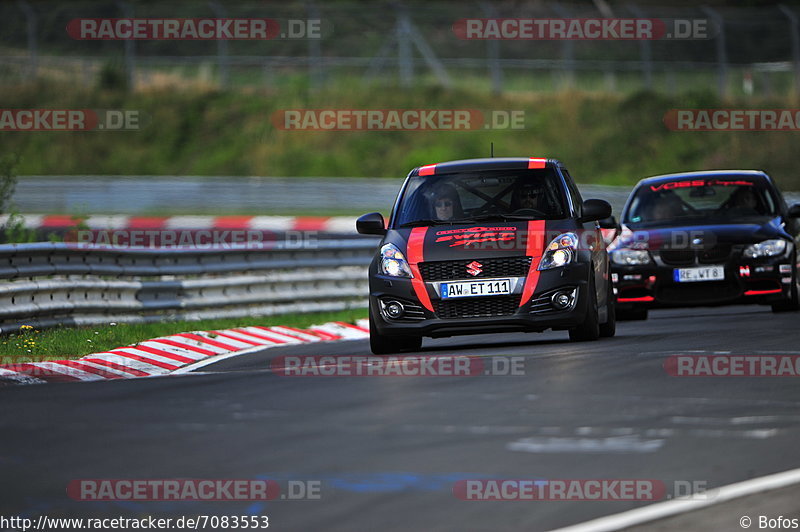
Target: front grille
{"type": "Point", "coordinates": [715, 255]}
{"type": "Point", "coordinates": [448, 270]}
{"type": "Point", "coordinates": [706, 292]}
{"type": "Point", "coordinates": [678, 257]}
{"type": "Point", "coordinates": [477, 307]}
{"type": "Point", "coordinates": [687, 257]}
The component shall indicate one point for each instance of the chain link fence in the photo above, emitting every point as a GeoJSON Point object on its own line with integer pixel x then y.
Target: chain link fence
{"type": "Point", "coordinates": [752, 51]}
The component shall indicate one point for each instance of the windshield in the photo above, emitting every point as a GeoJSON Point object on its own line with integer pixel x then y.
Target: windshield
{"type": "Point", "coordinates": [484, 195]}
{"type": "Point", "coordinates": [725, 199]}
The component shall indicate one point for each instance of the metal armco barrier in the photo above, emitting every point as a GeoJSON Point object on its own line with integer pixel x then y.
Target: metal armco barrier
{"type": "Point", "coordinates": [46, 284]}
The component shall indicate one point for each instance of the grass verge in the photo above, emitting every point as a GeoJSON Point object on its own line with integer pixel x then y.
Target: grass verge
{"type": "Point", "coordinates": [613, 139]}
{"type": "Point", "coordinates": [74, 342]}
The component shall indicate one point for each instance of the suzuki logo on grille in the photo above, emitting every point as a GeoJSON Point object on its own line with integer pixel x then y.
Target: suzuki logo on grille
{"type": "Point", "coordinates": [474, 268]}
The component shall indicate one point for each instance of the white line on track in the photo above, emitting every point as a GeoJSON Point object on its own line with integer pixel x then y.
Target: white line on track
{"type": "Point", "coordinates": [665, 509]}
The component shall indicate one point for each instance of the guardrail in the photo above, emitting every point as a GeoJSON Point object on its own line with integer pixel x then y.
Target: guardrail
{"type": "Point", "coordinates": [48, 284]}
{"type": "Point", "coordinates": [211, 195]}
{"type": "Point", "coordinates": [127, 196]}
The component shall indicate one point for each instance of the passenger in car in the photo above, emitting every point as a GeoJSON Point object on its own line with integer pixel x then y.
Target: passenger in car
{"type": "Point", "coordinates": [667, 207]}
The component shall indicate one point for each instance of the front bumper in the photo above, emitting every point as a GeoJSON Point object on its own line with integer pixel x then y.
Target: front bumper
{"type": "Point", "coordinates": [484, 314]}
{"type": "Point", "coordinates": [758, 281]}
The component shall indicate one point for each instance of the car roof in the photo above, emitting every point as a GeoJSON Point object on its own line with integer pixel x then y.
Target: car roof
{"type": "Point", "coordinates": [488, 163]}
{"type": "Point", "coordinates": [700, 174]}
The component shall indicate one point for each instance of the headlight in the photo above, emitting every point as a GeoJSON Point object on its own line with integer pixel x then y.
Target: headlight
{"type": "Point", "coordinates": [560, 251]}
{"type": "Point", "coordinates": [393, 262]}
{"type": "Point", "coordinates": [767, 248]}
{"type": "Point", "coordinates": [630, 257]}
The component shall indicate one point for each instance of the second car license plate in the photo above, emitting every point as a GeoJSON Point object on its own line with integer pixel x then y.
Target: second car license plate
{"type": "Point", "coordinates": [705, 273]}
{"type": "Point", "coordinates": [488, 287]}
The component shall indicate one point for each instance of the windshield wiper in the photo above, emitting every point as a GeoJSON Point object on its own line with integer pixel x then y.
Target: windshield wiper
{"type": "Point", "coordinates": [474, 219]}
{"type": "Point", "coordinates": [501, 217]}
{"type": "Point", "coordinates": [417, 223]}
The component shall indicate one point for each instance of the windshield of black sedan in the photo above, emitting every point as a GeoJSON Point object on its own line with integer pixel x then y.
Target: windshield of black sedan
{"type": "Point", "coordinates": [724, 199]}
{"type": "Point", "coordinates": [481, 196]}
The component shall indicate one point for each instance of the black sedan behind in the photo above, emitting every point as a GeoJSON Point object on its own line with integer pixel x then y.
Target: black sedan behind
{"type": "Point", "coordinates": [706, 238]}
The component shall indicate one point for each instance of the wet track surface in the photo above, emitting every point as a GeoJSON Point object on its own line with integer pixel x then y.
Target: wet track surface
{"type": "Point", "coordinates": [387, 450]}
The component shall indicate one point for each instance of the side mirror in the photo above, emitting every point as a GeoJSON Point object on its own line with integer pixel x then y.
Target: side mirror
{"type": "Point", "coordinates": [794, 211]}
{"type": "Point", "coordinates": [595, 209]}
{"type": "Point", "coordinates": [371, 224]}
{"type": "Point", "coordinates": [610, 228]}
{"type": "Point", "coordinates": [609, 223]}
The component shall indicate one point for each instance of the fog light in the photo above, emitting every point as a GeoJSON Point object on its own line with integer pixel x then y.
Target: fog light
{"type": "Point", "coordinates": [394, 309]}
{"type": "Point", "coordinates": [562, 300]}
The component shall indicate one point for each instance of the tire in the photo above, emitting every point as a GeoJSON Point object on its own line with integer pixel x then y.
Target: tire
{"type": "Point", "coordinates": [636, 314]}
{"type": "Point", "coordinates": [589, 330]}
{"type": "Point", "coordinates": [793, 303]}
{"type": "Point", "coordinates": [609, 328]}
{"type": "Point", "coordinates": [382, 344]}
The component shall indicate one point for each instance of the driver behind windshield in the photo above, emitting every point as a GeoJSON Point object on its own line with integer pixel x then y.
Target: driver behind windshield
{"type": "Point", "coordinates": [446, 203]}
{"type": "Point", "coordinates": [529, 195]}
{"type": "Point", "coordinates": [745, 201]}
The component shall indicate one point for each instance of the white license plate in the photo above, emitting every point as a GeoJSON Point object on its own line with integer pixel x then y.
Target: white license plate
{"type": "Point", "coordinates": [704, 273]}
{"type": "Point", "coordinates": [487, 287]}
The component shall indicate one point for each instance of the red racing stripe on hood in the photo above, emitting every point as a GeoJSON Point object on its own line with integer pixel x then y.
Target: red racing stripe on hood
{"type": "Point", "coordinates": [414, 254]}
{"type": "Point", "coordinates": [534, 248]}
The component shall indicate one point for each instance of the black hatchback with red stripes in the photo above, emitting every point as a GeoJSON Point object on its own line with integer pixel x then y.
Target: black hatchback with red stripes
{"type": "Point", "coordinates": [488, 246]}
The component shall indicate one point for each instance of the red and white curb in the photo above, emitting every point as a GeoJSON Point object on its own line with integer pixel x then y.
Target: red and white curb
{"type": "Point", "coordinates": [168, 354]}
{"type": "Point", "coordinates": [327, 224]}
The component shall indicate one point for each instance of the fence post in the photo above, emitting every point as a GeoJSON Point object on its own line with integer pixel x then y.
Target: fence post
{"type": "Point", "coordinates": [316, 75]}
{"type": "Point", "coordinates": [795, 35]}
{"type": "Point", "coordinates": [377, 62]}
{"type": "Point", "coordinates": [222, 49]}
{"type": "Point", "coordinates": [645, 49]}
{"type": "Point", "coordinates": [33, 54]}
{"type": "Point", "coordinates": [567, 50]}
{"type": "Point", "coordinates": [493, 54]}
{"type": "Point", "coordinates": [405, 63]}
{"type": "Point", "coordinates": [130, 50]}
{"type": "Point", "coordinates": [722, 55]}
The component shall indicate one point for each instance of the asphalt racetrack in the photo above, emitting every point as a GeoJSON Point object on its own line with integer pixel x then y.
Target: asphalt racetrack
{"type": "Point", "coordinates": [386, 452]}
